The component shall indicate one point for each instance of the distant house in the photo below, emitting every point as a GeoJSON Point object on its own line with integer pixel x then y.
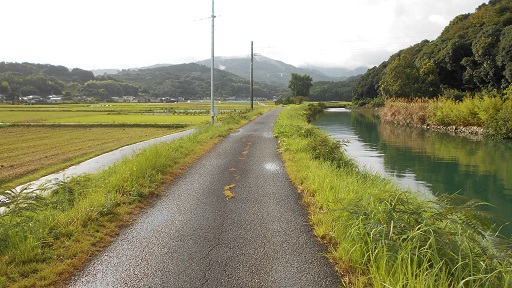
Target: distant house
{"type": "Point", "coordinates": [125, 99]}
{"type": "Point", "coordinates": [2, 98]}
{"type": "Point", "coordinates": [32, 99]}
{"type": "Point", "coordinates": [167, 100]}
{"type": "Point", "coordinates": [55, 99]}
{"type": "Point", "coordinates": [130, 99]}
{"type": "Point", "coordinates": [143, 99]}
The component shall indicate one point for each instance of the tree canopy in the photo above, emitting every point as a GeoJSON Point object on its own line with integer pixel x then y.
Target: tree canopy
{"type": "Point", "coordinates": [24, 79]}
{"type": "Point", "coordinates": [300, 85]}
{"type": "Point", "coordinates": [333, 91]}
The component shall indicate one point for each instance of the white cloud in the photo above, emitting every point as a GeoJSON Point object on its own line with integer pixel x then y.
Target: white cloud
{"type": "Point", "coordinates": [438, 20]}
{"type": "Point", "coordinates": [128, 33]}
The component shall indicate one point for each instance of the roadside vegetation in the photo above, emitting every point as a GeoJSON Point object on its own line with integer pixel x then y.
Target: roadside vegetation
{"type": "Point", "coordinates": [381, 235]}
{"type": "Point", "coordinates": [491, 111]}
{"type": "Point", "coordinates": [43, 240]}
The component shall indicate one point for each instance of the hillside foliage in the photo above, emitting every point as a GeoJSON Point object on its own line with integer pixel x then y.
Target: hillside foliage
{"type": "Point", "coordinates": [333, 91]}
{"type": "Point", "coordinates": [24, 79]}
{"type": "Point", "coordinates": [473, 53]}
{"type": "Point", "coordinates": [187, 81]}
{"type": "Point", "coordinates": [192, 81]}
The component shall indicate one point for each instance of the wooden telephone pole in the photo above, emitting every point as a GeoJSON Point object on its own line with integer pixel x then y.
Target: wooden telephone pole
{"type": "Point", "coordinates": [212, 108]}
{"type": "Point", "coordinates": [252, 76]}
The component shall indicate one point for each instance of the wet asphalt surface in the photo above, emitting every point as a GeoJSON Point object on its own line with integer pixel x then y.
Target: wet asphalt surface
{"type": "Point", "coordinates": [194, 237]}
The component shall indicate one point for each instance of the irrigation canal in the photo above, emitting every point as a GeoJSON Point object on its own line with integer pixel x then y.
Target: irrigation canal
{"type": "Point", "coordinates": [432, 163]}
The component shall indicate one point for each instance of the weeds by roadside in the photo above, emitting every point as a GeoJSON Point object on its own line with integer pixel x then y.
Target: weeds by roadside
{"type": "Point", "coordinates": [381, 235]}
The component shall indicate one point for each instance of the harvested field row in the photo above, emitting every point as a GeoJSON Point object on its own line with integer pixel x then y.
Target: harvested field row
{"type": "Point", "coordinates": [27, 153]}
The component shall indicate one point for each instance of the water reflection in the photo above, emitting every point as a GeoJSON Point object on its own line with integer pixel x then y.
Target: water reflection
{"type": "Point", "coordinates": [429, 161]}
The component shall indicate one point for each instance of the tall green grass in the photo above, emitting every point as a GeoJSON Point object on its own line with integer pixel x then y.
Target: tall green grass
{"type": "Point", "coordinates": [489, 109]}
{"type": "Point", "coordinates": [42, 240]}
{"type": "Point", "coordinates": [381, 235]}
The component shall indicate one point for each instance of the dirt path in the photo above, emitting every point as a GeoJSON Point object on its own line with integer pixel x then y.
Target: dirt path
{"type": "Point", "coordinates": [194, 236]}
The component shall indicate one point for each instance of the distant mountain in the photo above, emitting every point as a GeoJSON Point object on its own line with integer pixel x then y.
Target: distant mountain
{"type": "Point", "coordinates": [192, 81]}
{"type": "Point", "coordinates": [338, 72]}
{"type": "Point", "coordinates": [99, 72]}
{"type": "Point", "coordinates": [154, 66]}
{"type": "Point", "coordinates": [266, 70]}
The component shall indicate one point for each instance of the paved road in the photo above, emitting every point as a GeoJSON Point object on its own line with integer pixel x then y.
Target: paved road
{"type": "Point", "coordinates": [194, 237]}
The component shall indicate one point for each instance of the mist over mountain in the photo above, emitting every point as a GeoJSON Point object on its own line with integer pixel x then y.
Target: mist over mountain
{"type": "Point", "coordinates": [99, 72]}
{"type": "Point", "coordinates": [266, 70]}
{"type": "Point", "coordinates": [339, 72]}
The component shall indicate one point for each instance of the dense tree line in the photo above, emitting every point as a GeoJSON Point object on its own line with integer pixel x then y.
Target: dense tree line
{"type": "Point", "coordinates": [189, 81]}
{"type": "Point", "coordinates": [333, 91]}
{"type": "Point", "coordinates": [51, 71]}
{"type": "Point", "coordinates": [23, 79]}
{"type": "Point", "coordinates": [473, 53]}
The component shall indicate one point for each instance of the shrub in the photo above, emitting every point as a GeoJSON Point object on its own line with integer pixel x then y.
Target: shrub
{"type": "Point", "coordinates": [489, 109]}
{"type": "Point", "coordinates": [406, 112]}
{"type": "Point", "coordinates": [500, 125]}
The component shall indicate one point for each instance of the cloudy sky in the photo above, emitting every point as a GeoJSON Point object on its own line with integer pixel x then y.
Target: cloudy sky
{"type": "Point", "coordinates": [98, 34]}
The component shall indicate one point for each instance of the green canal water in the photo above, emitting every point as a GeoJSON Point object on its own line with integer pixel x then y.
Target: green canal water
{"type": "Point", "coordinates": [431, 163]}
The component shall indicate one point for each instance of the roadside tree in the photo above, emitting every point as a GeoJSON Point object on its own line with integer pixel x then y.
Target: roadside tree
{"type": "Point", "coordinates": [300, 85]}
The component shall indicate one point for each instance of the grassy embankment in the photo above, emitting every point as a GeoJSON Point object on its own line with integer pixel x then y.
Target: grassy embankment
{"type": "Point", "coordinates": [381, 235]}
{"type": "Point", "coordinates": [488, 110]}
{"type": "Point", "coordinates": [43, 240]}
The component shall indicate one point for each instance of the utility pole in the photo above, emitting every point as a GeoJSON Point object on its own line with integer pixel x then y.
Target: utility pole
{"type": "Point", "coordinates": [252, 76]}
{"type": "Point", "coordinates": [212, 108]}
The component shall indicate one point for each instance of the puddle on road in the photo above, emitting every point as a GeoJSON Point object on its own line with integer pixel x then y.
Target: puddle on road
{"type": "Point", "coordinates": [238, 132]}
{"type": "Point", "coordinates": [272, 167]}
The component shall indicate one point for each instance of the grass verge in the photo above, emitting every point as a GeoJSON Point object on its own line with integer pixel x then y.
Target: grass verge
{"type": "Point", "coordinates": [44, 240]}
{"type": "Point", "coordinates": [381, 235]}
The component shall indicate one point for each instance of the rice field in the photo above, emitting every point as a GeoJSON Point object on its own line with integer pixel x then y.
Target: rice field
{"type": "Point", "coordinates": [36, 140]}
{"type": "Point", "coordinates": [30, 152]}
{"type": "Point", "coordinates": [126, 113]}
